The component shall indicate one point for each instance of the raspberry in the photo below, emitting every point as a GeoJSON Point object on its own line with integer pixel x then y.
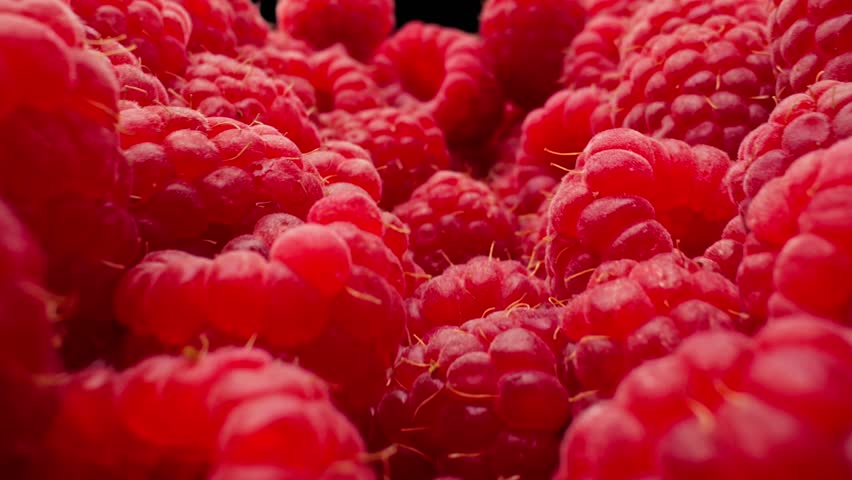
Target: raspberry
{"type": "Point", "coordinates": [523, 188]}
{"type": "Point", "coordinates": [139, 87]}
{"type": "Point", "coordinates": [61, 170]}
{"type": "Point", "coordinates": [810, 42]}
{"type": "Point", "coordinates": [799, 247]}
{"type": "Point", "coordinates": [220, 86]}
{"type": "Point", "coordinates": [407, 147]}
{"type": "Point", "coordinates": [194, 415]}
{"type": "Point", "coordinates": [478, 401]}
{"type": "Point", "coordinates": [347, 207]}
{"type": "Point", "coordinates": [554, 135]}
{"type": "Point", "coordinates": [156, 31]}
{"type": "Point", "coordinates": [443, 71]}
{"type": "Point", "coordinates": [725, 406]}
{"type": "Point", "coordinates": [634, 197]}
{"type": "Point", "coordinates": [269, 227]}
{"type": "Point", "coordinates": [344, 162]}
{"type": "Point", "coordinates": [206, 178]}
{"type": "Point", "coordinates": [220, 26]}
{"type": "Point", "coordinates": [534, 238]}
{"type": "Point", "coordinates": [695, 72]}
{"type": "Point", "coordinates": [471, 290]}
{"type": "Point", "coordinates": [592, 58]}
{"type": "Point", "coordinates": [632, 312]}
{"type": "Point", "coordinates": [339, 289]}
{"type": "Point", "coordinates": [326, 80]}
{"type": "Point", "coordinates": [358, 25]}
{"type": "Point", "coordinates": [249, 26]}
{"type": "Point", "coordinates": [596, 8]}
{"type": "Point", "coordinates": [726, 254]}
{"type": "Point", "coordinates": [454, 218]}
{"type": "Point", "coordinates": [342, 82]}
{"type": "Point", "coordinates": [527, 40]}
{"type": "Point", "coordinates": [801, 123]}
{"type": "Point", "coordinates": [26, 349]}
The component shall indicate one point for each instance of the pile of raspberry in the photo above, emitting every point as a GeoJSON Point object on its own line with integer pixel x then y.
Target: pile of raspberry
{"type": "Point", "coordinates": [594, 240]}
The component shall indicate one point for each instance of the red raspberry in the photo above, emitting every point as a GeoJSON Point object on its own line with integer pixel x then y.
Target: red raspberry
{"type": "Point", "coordinates": [138, 87]}
{"type": "Point", "coordinates": [443, 71]}
{"type": "Point", "coordinates": [26, 345]}
{"type": "Point", "coordinates": [527, 40]}
{"type": "Point", "coordinates": [249, 26]}
{"type": "Point", "coordinates": [801, 123]}
{"type": "Point", "coordinates": [343, 162]}
{"type": "Point", "coordinates": [798, 253]}
{"type": "Point", "coordinates": [695, 72]}
{"type": "Point", "coordinates": [205, 178]}
{"type": "Point", "coordinates": [592, 58]}
{"type": "Point", "coordinates": [726, 254]}
{"type": "Point", "coordinates": [326, 80]}
{"type": "Point", "coordinates": [725, 406]}
{"type": "Point", "coordinates": [156, 31]}
{"type": "Point", "coordinates": [407, 147]}
{"type": "Point", "coordinates": [221, 86]}
{"type": "Point", "coordinates": [554, 135]}
{"type": "Point", "coordinates": [454, 218]}
{"type": "Point", "coordinates": [472, 290]}
{"type": "Point", "coordinates": [478, 401]}
{"type": "Point", "coordinates": [190, 416]}
{"type": "Point", "coordinates": [347, 204]}
{"type": "Point", "coordinates": [339, 286]}
{"type": "Point", "coordinates": [360, 25]}
{"type": "Point", "coordinates": [61, 169]}
{"type": "Point", "coordinates": [534, 238]}
{"type": "Point", "coordinates": [341, 82]}
{"type": "Point", "coordinates": [637, 311]}
{"type": "Point", "coordinates": [219, 26]}
{"type": "Point", "coordinates": [522, 187]}
{"type": "Point", "coordinates": [810, 42]}
{"type": "Point", "coordinates": [621, 8]}
{"type": "Point", "coordinates": [634, 197]}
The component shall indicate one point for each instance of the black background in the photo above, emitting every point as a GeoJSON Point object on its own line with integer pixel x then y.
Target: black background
{"type": "Point", "coordinates": [462, 14]}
